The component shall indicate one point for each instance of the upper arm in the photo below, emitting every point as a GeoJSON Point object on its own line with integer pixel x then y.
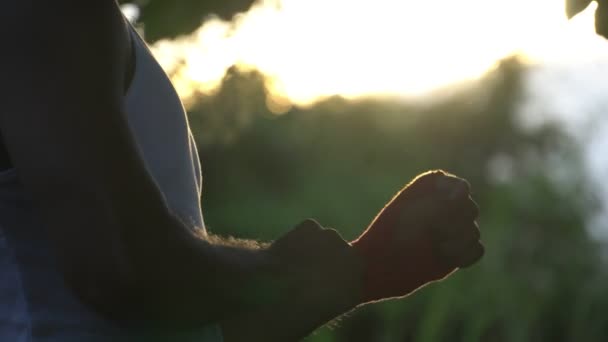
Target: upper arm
{"type": "Point", "coordinates": [61, 92]}
{"type": "Point", "coordinates": [62, 122]}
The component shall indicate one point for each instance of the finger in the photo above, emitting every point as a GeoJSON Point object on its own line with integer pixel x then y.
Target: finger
{"type": "Point", "coordinates": [425, 184]}
{"type": "Point", "coordinates": [308, 225]}
{"type": "Point", "coordinates": [457, 222]}
{"type": "Point", "coordinates": [473, 255]}
{"type": "Point", "coordinates": [461, 210]}
{"type": "Point", "coordinates": [473, 208]}
{"type": "Point", "coordinates": [452, 188]}
{"type": "Point", "coordinates": [462, 253]}
{"type": "Point", "coordinates": [306, 229]}
{"type": "Point", "coordinates": [324, 240]}
{"type": "Point", "coordinates": [299, 236]}
{"type": "Point", "coordinates": [464, 231]}
{"type": "Point", "coordinates": [331, 241]}
{"type": "Point", "coordinates": [435, 184]}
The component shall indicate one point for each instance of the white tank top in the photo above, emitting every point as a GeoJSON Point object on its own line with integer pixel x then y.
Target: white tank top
{"type": "Point", "coordinates": [158, 122]}
{"type": "Point", "coordinates": [35, 303]}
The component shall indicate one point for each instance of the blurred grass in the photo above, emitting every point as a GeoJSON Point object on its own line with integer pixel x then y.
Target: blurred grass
{"type": "Point", "coordinates": [542, 278]}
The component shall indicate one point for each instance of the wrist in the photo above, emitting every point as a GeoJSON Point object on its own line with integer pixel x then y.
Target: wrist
{"type": "Point", "coordinates": [389, 272]}
{"type": "Point", "coordinates": [353, 294]}
{"type": "Point", "coordinates": [371, 250]}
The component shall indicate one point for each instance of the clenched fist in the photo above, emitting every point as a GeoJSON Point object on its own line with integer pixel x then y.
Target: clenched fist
{"type": "Point", "coordinates": [424, 233]}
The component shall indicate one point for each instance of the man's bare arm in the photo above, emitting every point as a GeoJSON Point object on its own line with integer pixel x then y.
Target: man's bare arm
{"type": "Point", "coordinates": [424, 234]}
{"type": "Point", "coordinates": [62, 120]}
{"type": "Point", "coordinates": [324, 281]}
{"type": "Point", "coordinates": [120, 247]}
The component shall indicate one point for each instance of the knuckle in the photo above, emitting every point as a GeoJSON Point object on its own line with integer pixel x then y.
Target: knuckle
{"type": "Point", "coordinates": [476, 232]}
{"type": "Point", "coordinates": [462, 246]}
{"type": "Point", "coordinates": [449, 248]}
{"type": "Point", "coordinates": [434, 174]}
{"type": "Point", "coordinates": [328, 233]}
{"type": "Point", "coordinates": [461, 189]}
{"type": "Point", "coordinates": [430, 178]}
{"type": "Point", "coordinates": [333, 237]}
{"type": "Point", "coordinates": [330, 243]}
{"type": "Point", "coordinates": [464, 210]}
{"type": "Point", "coordinates": [465, 185]}
{"type": "Point", "coordinates": [463, 233]}
{"type": "Point", "coordinates": [474, 209]}
{"type": "Point", "coordinates": [452, 187]}
{"type": "Point", "coordinates": [306, 231]}
{"type": "Point", "coordinates": [309, 225]}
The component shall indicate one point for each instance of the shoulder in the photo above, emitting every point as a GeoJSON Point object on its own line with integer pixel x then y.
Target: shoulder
{"type": "Point", "coordinates": [63, 26]}
{"type": "Point", "coordinates": [58, 14]}
{"type": "Point", "coordinates": [83, 41]}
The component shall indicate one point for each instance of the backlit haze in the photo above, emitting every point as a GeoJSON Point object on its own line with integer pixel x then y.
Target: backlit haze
{"type": "Point", "coordinates": [311, 49]}
{"type": "Point", "coordinates": [316, 48]}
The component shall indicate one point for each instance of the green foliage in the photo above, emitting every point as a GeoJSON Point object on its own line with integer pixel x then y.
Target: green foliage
{"type": "Point", "coordinates": [574, 7]}
{"type": "Point", "coordinates": [340, 161]}
{"type": "Point", "coordinates": [542, 278]}
{"type": "Point", "coordinates": [169, 19]}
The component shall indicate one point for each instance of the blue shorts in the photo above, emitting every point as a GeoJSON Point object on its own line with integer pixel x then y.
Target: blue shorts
{"type": "Point", "coordinates": [35, 303]}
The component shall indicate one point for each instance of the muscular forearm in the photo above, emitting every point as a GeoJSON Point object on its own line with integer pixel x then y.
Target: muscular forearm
{"type": "Point", "coordinates": [325, 286]}
{"type": "Point", "coordinates": [291, 319]}
{"type": "Point", "coordinates": [181, 280]}
{"type": "Point", "coordinates": [118, 245]}
{"type": "Point", "coordinates": [278, 324]}
{"type": "Point", "coordinates": [259, 293]}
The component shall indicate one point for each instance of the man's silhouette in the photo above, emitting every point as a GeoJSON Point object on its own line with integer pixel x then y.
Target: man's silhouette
{"type": "Point", "coordinates": [101, 231]}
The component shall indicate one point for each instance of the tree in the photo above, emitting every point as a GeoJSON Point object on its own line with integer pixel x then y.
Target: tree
{"type": "Point", "coordinates": [573, 7]}
{"type": "Point", "coordinates": [169, 19]}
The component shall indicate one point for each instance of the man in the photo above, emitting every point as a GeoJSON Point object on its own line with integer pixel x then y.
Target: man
{"type": "Point", "coordinates": [101, 233]}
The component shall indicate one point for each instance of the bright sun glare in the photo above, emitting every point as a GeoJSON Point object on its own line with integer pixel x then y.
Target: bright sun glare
{"type": "Point", "coordinates": [310, 49]}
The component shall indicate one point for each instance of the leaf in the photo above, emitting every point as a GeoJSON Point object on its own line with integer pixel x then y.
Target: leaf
{"type": "Point", "coordinates": [574, 7]}
{"type": "Point", "coordinates": [601, 19]}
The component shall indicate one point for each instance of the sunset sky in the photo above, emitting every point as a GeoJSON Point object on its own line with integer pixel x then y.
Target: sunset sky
{"type": "Point", "coordinates": [310, 49]}
{"type": "Point", "coordinates": [315, 48]}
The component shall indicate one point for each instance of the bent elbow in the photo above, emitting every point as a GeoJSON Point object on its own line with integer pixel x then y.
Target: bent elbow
{"type": "Point", "coordinates": [108, 293]}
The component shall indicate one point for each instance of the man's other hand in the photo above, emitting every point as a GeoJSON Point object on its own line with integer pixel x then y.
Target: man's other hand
{"type": "Point", "coordinates": [424, 233]}
{"type": "Point", "coordinates": [319, 266]}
